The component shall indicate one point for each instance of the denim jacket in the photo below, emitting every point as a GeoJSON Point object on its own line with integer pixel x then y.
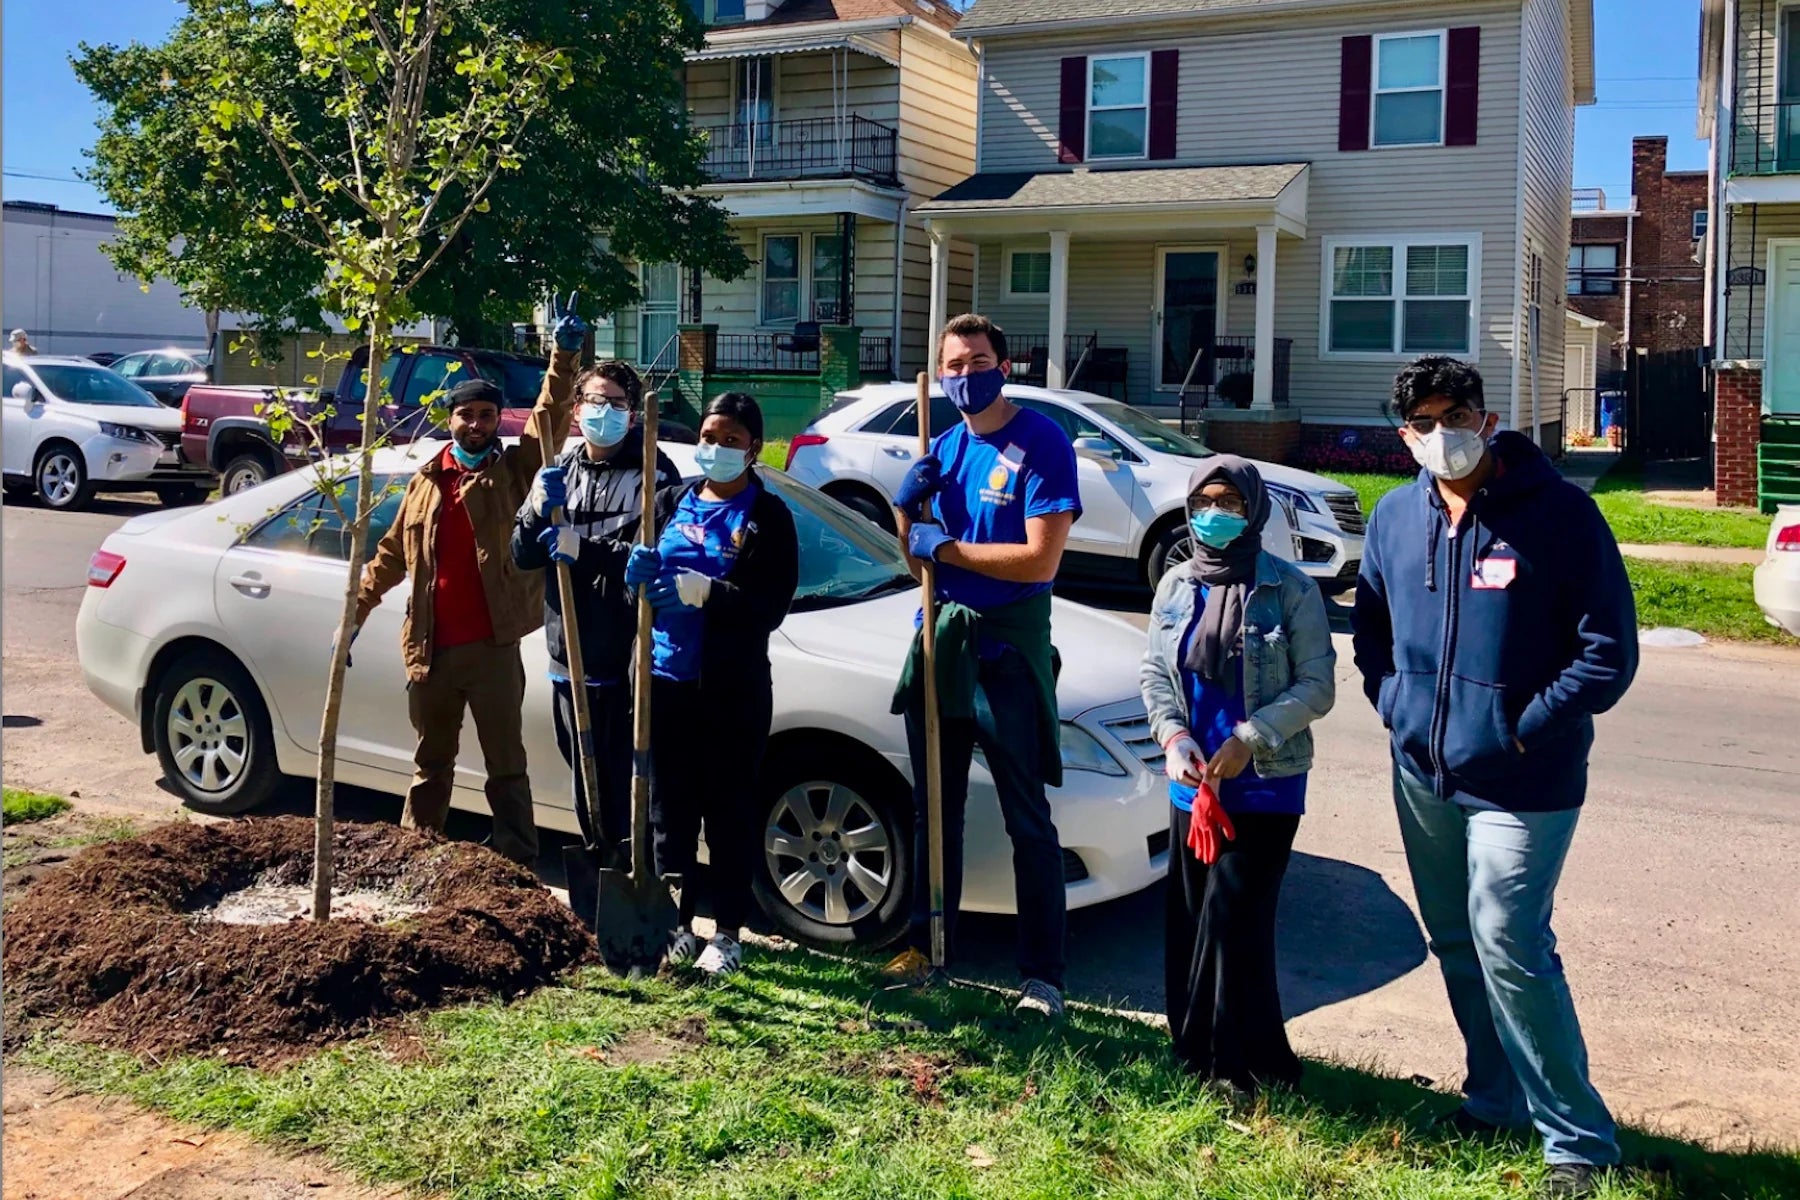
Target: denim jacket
{"type": "Point", "coordinates": [1288, 664]}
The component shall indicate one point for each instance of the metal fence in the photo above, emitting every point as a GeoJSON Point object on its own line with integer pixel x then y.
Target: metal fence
{"type": "Point", "coordinates": [809, 148]}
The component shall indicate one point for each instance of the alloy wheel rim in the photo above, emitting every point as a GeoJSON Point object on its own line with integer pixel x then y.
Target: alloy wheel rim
{"type": "Point", "coordinates": [829, 853]}
{"type": "Point", "coordinates": [1180, 552]}
{"type": "Point", "coordinates": [241, 481]}
{"type": "Point", "coordinates": [56, 478]}
{"type": "Point", "coordinates": [209, 735]}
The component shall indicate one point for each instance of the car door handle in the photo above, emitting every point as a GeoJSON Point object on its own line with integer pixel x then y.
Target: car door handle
{"type": "Point", "coordinates": [251, 585]}
{"type": "Point", "coordinates": [896, 451]}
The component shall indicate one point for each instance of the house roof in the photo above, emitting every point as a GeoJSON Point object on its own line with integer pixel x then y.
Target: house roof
{"type": "Point", "coordinates": [804, 12]}
{"type": "Point", "coordinates": [998, 191]}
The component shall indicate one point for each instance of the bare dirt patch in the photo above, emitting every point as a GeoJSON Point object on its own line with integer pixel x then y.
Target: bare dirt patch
{"type": "Point", "coordinates": [113, 943]}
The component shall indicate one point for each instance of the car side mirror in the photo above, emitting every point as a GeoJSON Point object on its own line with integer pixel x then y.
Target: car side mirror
{"type": "Point", "coordinates": [25, 393]}
{"type": "Point", "coordinates": [1100, 450]}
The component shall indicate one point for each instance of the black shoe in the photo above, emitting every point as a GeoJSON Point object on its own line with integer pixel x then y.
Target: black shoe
{"type": "Point", "coordinates": [1570, 1181]}
{"type": "Point", "coordinates": [1463, 1123]}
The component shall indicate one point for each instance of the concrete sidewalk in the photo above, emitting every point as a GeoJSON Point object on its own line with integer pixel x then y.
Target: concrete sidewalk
{"type": "Point", "coordinates": [1718, 555]}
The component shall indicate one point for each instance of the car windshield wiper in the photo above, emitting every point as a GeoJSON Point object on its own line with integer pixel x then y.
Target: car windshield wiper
{"type": "Point", "coordinates": [888, 586]}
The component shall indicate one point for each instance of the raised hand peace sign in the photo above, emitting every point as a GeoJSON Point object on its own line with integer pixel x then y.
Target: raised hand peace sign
{"type": "Point", "coordinates": [566, 325]}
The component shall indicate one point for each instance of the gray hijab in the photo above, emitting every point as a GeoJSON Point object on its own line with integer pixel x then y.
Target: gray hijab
{"type": "Point", "coordinates": [1228, 573]}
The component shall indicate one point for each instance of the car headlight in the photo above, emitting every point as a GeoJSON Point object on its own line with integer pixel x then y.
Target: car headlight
{"type": "Point", "coordinates": [125, 433]}
{"type": "Point", "coordinates": [1081, 751]}
{"type": "Point", "coordinates": [1293, 502]}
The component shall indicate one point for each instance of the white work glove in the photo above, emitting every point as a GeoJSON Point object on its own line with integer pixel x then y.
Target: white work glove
{"type": "Point", "coordinates": [693, 587]}
{"type": "Point", "coordinates": [1184, 763]}
{"type": "Point", "coordinates": [562, 542]}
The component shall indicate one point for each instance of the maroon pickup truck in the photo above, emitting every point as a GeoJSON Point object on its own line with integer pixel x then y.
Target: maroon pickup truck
{"type": "Point", "coordinates": [222, 427]}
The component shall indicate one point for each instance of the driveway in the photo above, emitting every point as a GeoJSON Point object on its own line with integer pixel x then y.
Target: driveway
{"type": "Point", "coordinates": [1677, 911]}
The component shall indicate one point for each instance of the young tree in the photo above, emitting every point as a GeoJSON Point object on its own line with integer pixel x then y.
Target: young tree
{"type": "Point", "coordinates": [614, 156]}
{"type": "Point", "coordinates": [375, 207]}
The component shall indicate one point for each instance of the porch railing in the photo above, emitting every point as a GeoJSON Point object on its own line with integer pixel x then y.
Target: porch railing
{"type": "Point", "coordinates": [1222, 374]}
{"type": "Point", "coordinates": [852, 147]}
{"type": "Point", "coordinates": [1768, 139]}
{"type": "Point", "coordinates": [796, 353]}
{"type": "Point", "coordinates": [1087, 365]}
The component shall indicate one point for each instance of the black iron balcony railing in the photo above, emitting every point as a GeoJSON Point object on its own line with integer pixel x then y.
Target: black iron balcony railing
{"type": "Point", "coordinates": [1223, 375]}
{"type": "Point", "coordinates": [796, 353]}
{"type": "Point", "coordinates": [851, 147]}
{"type": "Point", "coordinates": [1768, 139]}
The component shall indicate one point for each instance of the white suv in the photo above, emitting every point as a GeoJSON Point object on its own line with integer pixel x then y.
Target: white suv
{"type": "Point", "coordinates": [1133, 469]}
{"type": "Point", "coordinates": [73, 427]}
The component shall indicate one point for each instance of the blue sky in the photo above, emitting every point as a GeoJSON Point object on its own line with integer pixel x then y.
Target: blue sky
{"type": "Point", "coordinates": [1646, 68]}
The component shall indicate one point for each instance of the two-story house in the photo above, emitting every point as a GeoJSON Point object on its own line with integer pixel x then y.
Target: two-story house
{"type": "Point", "coordinates": [828, 122]}
{"type": "Point", "coordinates": [1252, 215]}
{"type": "Point", "coordinates": [1750, 111]}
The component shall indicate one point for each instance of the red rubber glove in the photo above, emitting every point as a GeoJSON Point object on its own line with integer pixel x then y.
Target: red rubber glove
{"type": "Point", "coordinates": [1206, 823]}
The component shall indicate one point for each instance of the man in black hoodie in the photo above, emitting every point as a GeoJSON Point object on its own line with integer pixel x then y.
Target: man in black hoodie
{"type": "Point", "coordinates": [598, 482]}
{"type": "Point", "coordinates": [1493, 620]}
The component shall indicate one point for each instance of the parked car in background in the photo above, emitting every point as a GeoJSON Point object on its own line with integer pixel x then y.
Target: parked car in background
{"type": "Point", "coordinates": [228, 427]}
{"type": "Point", "coordinates": [211, 632]}
{"type": "Point", "coordinates": [1776, 581]}
{"type": "Point", "coordinates": [73, 428]}
{"type": "Point", "coordinates": [166, 374]}
{"type": "Point", "coordinates": [106, 358]}
{"type": "Point", "coordinates": [1134, 473]}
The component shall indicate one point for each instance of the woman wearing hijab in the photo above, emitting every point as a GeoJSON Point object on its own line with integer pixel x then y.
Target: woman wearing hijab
{"type": "Point", "coordinates": [721, 577]}
{"type": "Point", "coordinates": [1239, 666]}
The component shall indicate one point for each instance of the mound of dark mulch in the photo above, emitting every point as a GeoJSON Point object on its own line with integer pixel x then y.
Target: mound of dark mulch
{"type": "Point", "coordinates": [111, 943]}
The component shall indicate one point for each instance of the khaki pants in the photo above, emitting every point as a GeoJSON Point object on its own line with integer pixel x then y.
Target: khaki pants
{"type": "Point", "coordinates": [489, 681]}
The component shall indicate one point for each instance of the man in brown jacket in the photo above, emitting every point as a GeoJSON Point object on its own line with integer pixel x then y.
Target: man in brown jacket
{"type": "Point", "coordinates": [469, 606]}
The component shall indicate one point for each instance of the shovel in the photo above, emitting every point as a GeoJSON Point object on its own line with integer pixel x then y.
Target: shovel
{"type": "Point", "coordinates": [636, 911]}
{"type": "Point", "coordinates": [581, 864]}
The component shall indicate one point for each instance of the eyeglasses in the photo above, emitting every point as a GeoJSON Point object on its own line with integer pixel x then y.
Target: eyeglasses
{"type": "Point", "coordinates": [1456, 418]}
{"type": "Point", "coordinates": [1225, 504]}
{"type": "Point", "coordinates": [597, 398]}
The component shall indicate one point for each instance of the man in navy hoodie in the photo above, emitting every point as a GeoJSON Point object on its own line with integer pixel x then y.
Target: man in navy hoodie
{"type": "Point", "coordinates": [1493, 620]}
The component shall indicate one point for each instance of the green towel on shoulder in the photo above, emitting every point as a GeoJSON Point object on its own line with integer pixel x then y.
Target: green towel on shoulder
{"type": "Point", "coordinates": [1025, 626]}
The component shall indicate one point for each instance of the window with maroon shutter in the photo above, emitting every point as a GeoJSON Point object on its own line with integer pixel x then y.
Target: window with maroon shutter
{"type": "Point", "coordinates": [1462, 100]}
{"type": "Point", "coordinates": [1072, 120]}
{"type": "Point", "coordinates": [1355, 86]}
{"type": "Point", "coordinates": [1165, 79]}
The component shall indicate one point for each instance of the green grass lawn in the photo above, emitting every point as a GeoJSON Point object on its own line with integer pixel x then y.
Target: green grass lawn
{"type": "Point", "coordinates": [1634, 518]}
{"type": "Point", "coordinates": [782, 1084]}
{"type": "Point", "coordinates": [1710, 599]}
{"type": "Point", "coordinates": [1370, 486]}
{"type": "Point", "coordinates": [20, 806]}
{"type": "Point", "coordinates": [774, 453]}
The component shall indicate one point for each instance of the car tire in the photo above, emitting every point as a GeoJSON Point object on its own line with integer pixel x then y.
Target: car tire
{"type": "Point", "coordinates": [822, 797]}
{"type": "Point", "coordinates": [244, 472]}
{"type": "Point", "coordinates": [182, 495]}
{"type": "Point", "coordinates": [213, 736]}
{"type": "Point", "coordinates": [865, 503]}
{"type": "Point", "coordinates": [1170, 547]}
{"type": "Point", "coordinates": [61, 478]}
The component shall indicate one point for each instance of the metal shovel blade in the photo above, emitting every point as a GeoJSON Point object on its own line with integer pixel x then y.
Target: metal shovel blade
{"type": "Point", "coordinates": [634, 918]}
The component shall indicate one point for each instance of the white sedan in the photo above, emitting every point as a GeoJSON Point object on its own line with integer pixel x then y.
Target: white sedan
{"type": "Point", "coordinates": [211, 630]}
{"type": "Point", "coordinates": [1133, 472]}
{"type": "Point", "coordinates": [1777, 578]}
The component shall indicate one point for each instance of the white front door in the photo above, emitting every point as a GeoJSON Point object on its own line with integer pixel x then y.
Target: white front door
{"type": "Point", "coordinates": [659, 314]}
{"type": "Point", "coordinates": [1781, 336]}
{"type": "Point", "coordinates": [1190, 311]}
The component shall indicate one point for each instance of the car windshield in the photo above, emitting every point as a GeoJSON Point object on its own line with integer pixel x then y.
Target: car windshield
{"type": "Point", "coordinates": [518, 379]}
{"type": "Point", "coordinates": [92, 385]}
{"type": "Point", "coordinates": [1152, 432]}
{"type": "Point", "coordinates": [843, 557]}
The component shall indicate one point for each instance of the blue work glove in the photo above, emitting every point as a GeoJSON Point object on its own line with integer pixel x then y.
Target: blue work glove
{"type": "Point", "coordinates": [668, 591]}
{"type": "Point", "coordinates": [563, 543]}
{"type": "Point", "coordinates": [549, 490]}
{"type": "Point", "coordinates": [919, 486]}
{"type": "Point", "coordinates": [349, 661]}
{"type": "Point", "coordinates": [644, 565]}
{"type": "Point", "coordinates": [925, 541]}
{"type": "Point", "coordinates": [566, 325]}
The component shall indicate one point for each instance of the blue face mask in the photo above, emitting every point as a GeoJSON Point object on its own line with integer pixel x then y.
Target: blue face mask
{"type": "Point", "coordinates": [1217, 529]}
{"type": "Point", "coordinates": [604, 425]}
{"type": "Point", "coordinates": [974, 393]}
{"type": "Point", "coordinates": [721, 464]}
{"type": "Point", "coordinates": [470, 460]}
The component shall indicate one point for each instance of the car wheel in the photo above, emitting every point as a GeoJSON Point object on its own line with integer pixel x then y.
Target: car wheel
{"type": "Point", "coordinates": [836, 865]}
{"type": "Point", "coordinates": [179, 496]}
{"type": "Point", "coordinates": [62, 479]}
{"type": "Point", "coordinates": [243, 473]}
{"type": "Point", "coordinates": [213, 736]}
{"type": "Point", "coordinates": [1171, 548]}
{"type": "Point", "coordinates": [865, 503]}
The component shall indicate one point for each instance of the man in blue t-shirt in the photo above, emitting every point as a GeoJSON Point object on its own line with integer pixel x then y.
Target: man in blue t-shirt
{"type": "Point", "coordinates": [992, 505]}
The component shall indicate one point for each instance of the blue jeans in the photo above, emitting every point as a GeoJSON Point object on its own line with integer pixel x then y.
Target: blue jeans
{"type": "Point", "coordinates": [1006, 728]}
{"type": "Point", "coordinates": [1485, 881]}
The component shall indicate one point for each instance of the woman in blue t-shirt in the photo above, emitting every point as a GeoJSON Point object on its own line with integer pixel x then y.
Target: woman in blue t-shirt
{"type": "Point", "coordinates": [1238, 668]}
{"type": "Point", "coordinates": [720, 578]}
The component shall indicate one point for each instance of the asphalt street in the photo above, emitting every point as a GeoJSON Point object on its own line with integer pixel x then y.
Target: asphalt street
{"type": "Point", "coordinates": [1676, 918]}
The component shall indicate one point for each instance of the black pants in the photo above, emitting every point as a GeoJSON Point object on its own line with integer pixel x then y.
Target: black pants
{"type": "Point", "coordinates": [609, 715]}
{"type": "Point", "coordinates": [1006, 727]}
{"type": "Point", "coordinates": [1223, 1003]}
{"type": "Point", "coordinates": [706, 749]}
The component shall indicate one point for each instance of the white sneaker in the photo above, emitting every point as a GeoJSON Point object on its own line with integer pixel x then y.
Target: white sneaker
{"type": "Point", "coordinates": [684, 949]}
{"type": "Point", "coordinates": [1039, 999]}
{"type": "Point", "coordinates": [722, 956]}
